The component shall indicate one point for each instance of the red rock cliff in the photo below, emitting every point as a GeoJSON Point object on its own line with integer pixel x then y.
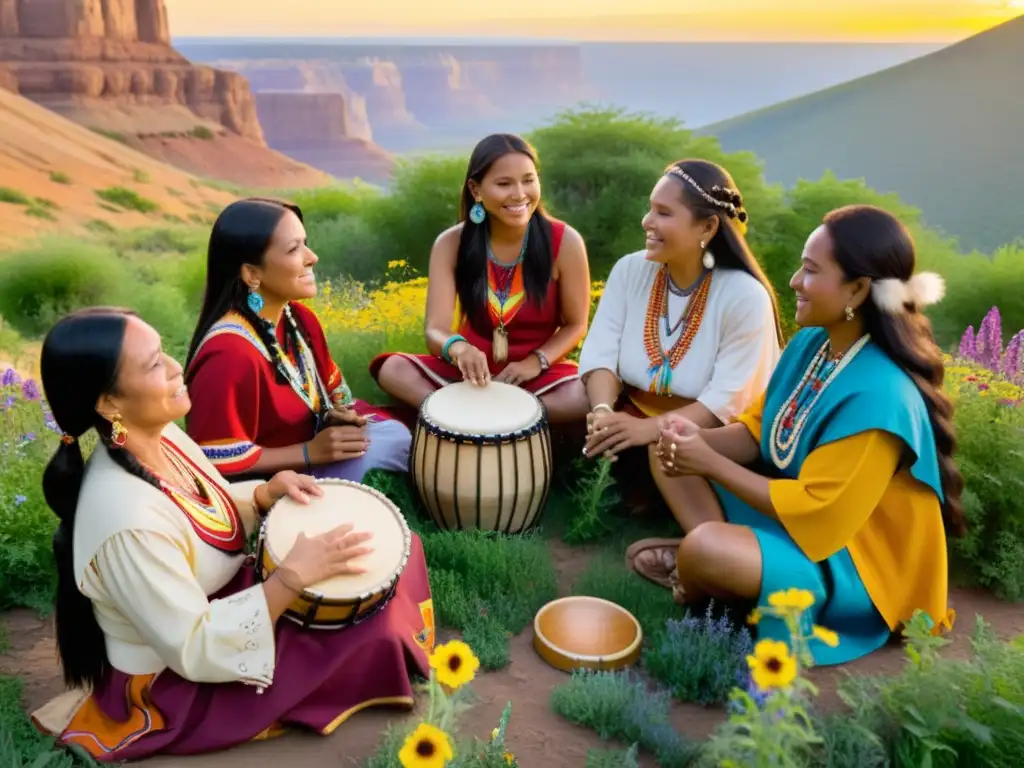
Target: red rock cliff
{"type": "Point", "coordinates": [82, 57]}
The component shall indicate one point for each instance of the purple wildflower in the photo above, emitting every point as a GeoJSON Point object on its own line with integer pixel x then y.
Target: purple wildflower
{"type": "Point", "coordinates": [8, 403]}
{"type": "Point", "coordinates": [19, 500]}
{"type": "Point", "coordinates": [1012, 361]}
{"type": "Point", "coordinates": [29, 437]}
{"type": "Point", "coordinates": [982, 386]}
{"type": "Point", "coordinates": [968, 349]}
{"type": "Point", "coordinates": [990, 341]}
{"type": "Point", "coordinates": [30, 390]}
{"type": "Point", "coordinates": [10, 378]}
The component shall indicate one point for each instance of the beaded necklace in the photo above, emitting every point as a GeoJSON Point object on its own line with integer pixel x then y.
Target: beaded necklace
{"type": "Point", "coordinates": [504, 283]}
{"type": "Point", "coordinates": [792, 416]}
{"type": "Point", "coordinates": [663, 363]}
{"type": "Point", "coordinates": [301, 375]}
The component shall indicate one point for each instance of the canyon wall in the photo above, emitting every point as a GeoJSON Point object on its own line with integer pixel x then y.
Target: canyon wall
{"type": "Point", "coordinates": [108, 64]}
{"type": "Point", "coordinates": [418, 96]}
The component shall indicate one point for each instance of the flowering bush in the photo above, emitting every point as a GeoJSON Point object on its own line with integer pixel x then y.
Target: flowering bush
{"type": "Point", "coordinates": [431, 743]}
{"type": "Point", "coordinates": [769, 724]}
{"type": "Point", "coordinates": [700, 659]}
{"type": "Point", "coordinates": [28, 437]}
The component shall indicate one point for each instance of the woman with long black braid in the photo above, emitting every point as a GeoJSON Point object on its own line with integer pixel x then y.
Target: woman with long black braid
{"type": "Point", "coordinates": [266, 393]}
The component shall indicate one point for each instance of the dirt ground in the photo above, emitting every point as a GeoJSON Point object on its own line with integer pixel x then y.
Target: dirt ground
{"type": "Point", "coordinates": [537, 736]}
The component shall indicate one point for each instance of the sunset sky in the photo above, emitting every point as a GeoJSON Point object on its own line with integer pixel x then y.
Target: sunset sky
{"type": "Point", "coordinates": [910, 20]}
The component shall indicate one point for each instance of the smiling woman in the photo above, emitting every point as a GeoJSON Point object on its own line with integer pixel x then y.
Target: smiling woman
{"type": "Point", "coordinates": [266, 393]}
{"type": "Point", "coordinates": [514, 282]}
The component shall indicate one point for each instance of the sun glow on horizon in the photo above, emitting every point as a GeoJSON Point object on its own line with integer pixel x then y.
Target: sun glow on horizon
{"type": "Point", "coordinates": [710, 20]}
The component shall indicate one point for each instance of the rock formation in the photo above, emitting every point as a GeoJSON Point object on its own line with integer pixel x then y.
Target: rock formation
{"type": "Point", "coordinates": [326, 130]}
{"type": "Point", "coordinates": [82, 57]}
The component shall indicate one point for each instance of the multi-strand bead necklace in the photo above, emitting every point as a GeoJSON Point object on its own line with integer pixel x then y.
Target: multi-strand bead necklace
{"type": "Point", "coordinates": [662, 363]}
{"type": "Point", "coordinates": [792, 416]}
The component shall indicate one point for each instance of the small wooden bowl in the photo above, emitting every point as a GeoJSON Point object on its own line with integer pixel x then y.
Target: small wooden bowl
{"type": "Point", "coordinates": [586, 632]}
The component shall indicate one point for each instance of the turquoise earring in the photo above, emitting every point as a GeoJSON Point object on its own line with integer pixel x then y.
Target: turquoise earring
{"type": "Point", "coordinates": [255, 301]}
{"type": "Point", "coordinates": [477, 214]}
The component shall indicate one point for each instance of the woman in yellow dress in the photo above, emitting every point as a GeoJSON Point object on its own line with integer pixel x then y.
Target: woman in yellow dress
{"type": "Point", "coordinates": [858, 488]}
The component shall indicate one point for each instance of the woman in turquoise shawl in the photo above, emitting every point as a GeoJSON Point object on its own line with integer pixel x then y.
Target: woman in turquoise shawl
{"type": "Point", "coordinates": [856, 488]}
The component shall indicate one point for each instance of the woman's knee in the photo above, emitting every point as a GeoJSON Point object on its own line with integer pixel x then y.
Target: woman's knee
{"type": "Point", "coordinates": [394, 369]}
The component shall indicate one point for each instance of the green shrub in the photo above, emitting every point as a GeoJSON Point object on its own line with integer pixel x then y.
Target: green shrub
{"type": "Point", "coordinates": [619, 706]}
{"type": "Point", "coordinates": [13, 196]}
{"type": "Point", "coordinates": [21, 746]}
{"type": "Point", "coordinates": [201, 132]}
{"type": "Point", "coordinates": [946, 712]}
{"type": "Point", "coordinates": [140, 176]}
{"type": "Point", "coordinates": [59, 177]}
{"type": "Point", "coordinates": [700, 660]}
{"type": "Point", "coordinates": [44, 281]}
{"type": "Point", "coordinates": [488, 585]}
{"type": "Point", "coordinates": [126, 198]}
{"type": "Point", "coordinates": [612, 758]}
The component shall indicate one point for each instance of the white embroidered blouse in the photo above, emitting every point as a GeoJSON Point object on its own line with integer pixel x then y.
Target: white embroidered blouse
{"type": "Point", "coordinates": [148, 574]}
{"type": "Point", "coordinates": [732, 355]}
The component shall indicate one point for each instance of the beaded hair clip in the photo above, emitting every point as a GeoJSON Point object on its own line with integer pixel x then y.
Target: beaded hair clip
{"type": "Point", "coordinates": [733, 205]}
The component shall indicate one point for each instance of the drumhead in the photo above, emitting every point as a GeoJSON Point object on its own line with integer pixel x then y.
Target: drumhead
{"type": "Point", "coordinates": [497, 408]}
{"type": "Point", "coordinates": [344, 502]}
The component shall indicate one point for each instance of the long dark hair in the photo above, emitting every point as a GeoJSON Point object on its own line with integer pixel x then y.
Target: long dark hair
{"type": "Point", "coordinates": [471, 267]}
{"type": "Point", "coordinates": [870, 242]}
{"type": "Point", "coordinates": [729, 245]}
{"type": "Point", "coordinates": [80, 363]}
{"type": "Point", "coordinates": [241, 235]}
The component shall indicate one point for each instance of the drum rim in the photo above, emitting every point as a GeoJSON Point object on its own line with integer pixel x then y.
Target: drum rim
{"type": "Point", "coordinates": [612, 658]}
{"type": "Point", "coordinates": [375, 589]}
{"type": "Point", "coordinates": [457, 436]}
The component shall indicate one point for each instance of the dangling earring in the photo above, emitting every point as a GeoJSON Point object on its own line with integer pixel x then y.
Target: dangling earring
{"type": "Point", "coordinates": [849, 313]}
{"type": "Point", "coordinates": [118, 434]}
{"type": "Point", "coordinates": [477, 213]}
{"type": "Point", "coordinates": [708, 259]}
{"type": "Point", "coordinates": [254, 300]}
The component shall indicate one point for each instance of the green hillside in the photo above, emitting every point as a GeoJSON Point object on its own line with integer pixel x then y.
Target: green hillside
{"type": "Point", "coordinates": [945, 131]}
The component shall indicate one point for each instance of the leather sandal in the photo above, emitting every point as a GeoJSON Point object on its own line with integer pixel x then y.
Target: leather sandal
{"type": "Point", "coordinates": [655, 560]}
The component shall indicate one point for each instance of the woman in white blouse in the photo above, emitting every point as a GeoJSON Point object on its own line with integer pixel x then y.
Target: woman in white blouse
{"type": "Point", "coordinates": [173, 644]}
{"type": "Point", "coordinates": [688, 325]}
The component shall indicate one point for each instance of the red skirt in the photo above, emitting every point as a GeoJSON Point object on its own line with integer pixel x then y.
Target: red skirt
{"type": "Point", "coordinates": [322, 678]}
{"type": "Point", "coordinates": [441, 373]}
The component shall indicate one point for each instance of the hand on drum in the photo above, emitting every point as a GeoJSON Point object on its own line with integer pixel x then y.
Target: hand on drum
{"type": "Point", "coordinates": [299, 487]}
{"type": "Point", "coordinates": [684, 454]}
{"type": "Point", "coordinates": [520, 372]}
{"type": "Point", "coordinates": [611, 433]}
{"type": "Point", "coordinates": [471, 362]}
{"type": "Point", "coordinates": [313, 559]}
{"type": "Point", "coordinates": [337, 444]}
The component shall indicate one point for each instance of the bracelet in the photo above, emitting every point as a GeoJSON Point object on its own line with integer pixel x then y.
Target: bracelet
{"type": "Point", "coordinates": [305, 456]}
{"type": "Point", "coordinates": [544, 364]}
{"type": "Point", "coordinates": [602, 407]}
{"type": "Point", "coordinates": [447, 345]}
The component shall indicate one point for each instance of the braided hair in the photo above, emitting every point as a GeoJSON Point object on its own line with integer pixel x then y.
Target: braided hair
{"type": "Point", "coordinates": [81, 362]}
{"type": "Point", "coordinates": [708, 191]}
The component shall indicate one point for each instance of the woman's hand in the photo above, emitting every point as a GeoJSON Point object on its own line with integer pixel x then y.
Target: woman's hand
{"type": "Point", "coordinates": [313, 559]}
{"type": "Point", "coordinates": [471, 362]}
{"type": "Point", "coordinates": [678, 424]}
{"type": "Point", "coordinates": [684, 454]}
{"type": "Point", "coordinates": [520, 372]}
{"type": "Point", "coordinates": [341, 416]}
{"type": "Point", "coordinates": [287, 483]}
{"type": "Point", "coordinates": [338, 444]}
{"type": "Point", "coordinates": [610, 433]}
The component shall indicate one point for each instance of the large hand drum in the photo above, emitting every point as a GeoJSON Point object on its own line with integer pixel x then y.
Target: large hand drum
{"type": "Point", "coordinates": [481, 457]}
{"type": "Point", "coordinates": [343, 600]}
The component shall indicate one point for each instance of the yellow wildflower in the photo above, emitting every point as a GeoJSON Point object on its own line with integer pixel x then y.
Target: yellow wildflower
{"type": "Point", "coordinates": [426, 747]}
{"type": "Point", "coordinates": [494, 734]}
{"type": "Point", "coordinates": [510, 758]}
{"type": "Point", "coordinates": [827, 636]}
{"type": "Point", "coordinates": [791, 599]}
{"type": "Point", "coordinates": [771, 665]}
{"type": "Point", "coordinates": [754, 617]}
{"type": "Point", "coordinates": [454, 663]}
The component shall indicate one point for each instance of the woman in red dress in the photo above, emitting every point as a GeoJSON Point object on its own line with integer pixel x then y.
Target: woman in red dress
{"type": "Point", "coordinates": [266, 393]}
{"type": "Point", "coordinates": [522, 283]}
